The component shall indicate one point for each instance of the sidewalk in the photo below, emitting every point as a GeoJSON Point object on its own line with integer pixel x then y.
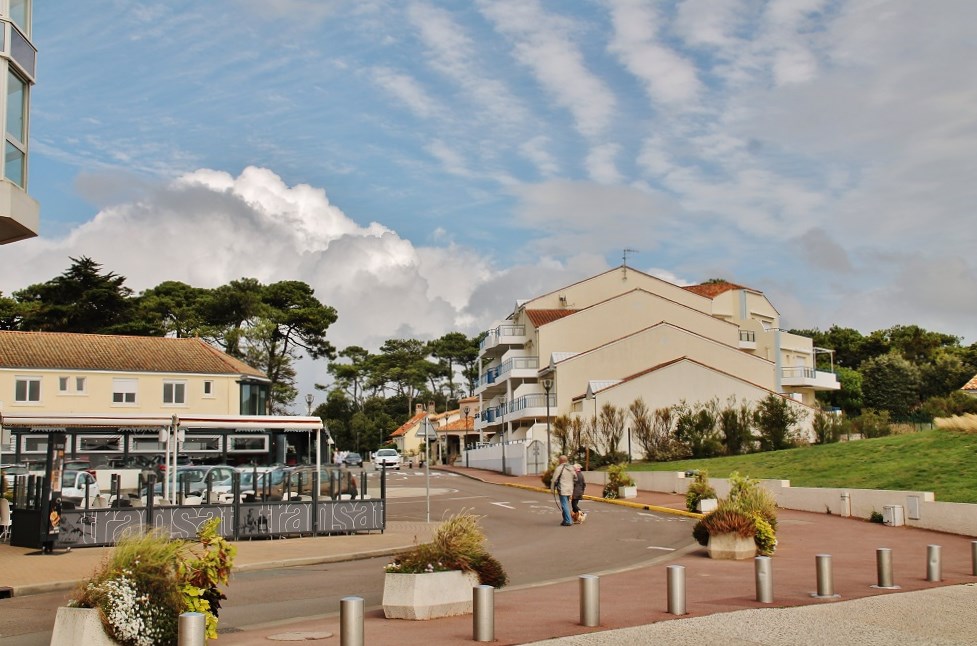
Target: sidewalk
{"type": "Point", "coordinates": [720, 595]}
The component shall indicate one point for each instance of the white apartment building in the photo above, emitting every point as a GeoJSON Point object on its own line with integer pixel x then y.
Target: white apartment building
{"type": "Point", "coordinates": [19, 212]}
{"type": "Point", "coordinates": [624, 334]}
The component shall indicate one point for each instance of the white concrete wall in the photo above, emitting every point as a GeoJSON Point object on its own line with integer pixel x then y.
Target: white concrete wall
{"type": "Point", "coordinates": [920, 507]}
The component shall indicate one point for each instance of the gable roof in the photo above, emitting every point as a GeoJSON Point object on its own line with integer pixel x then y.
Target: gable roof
{"type": "Point", "coordinates": [408, 425]}
{"type": "Point", "coordinates": [541, 317]}
{"type": "Point", "coordinates": [970, 386]}
{"type": "Point", "coordinates": [714, 289]}
{"type": "Point", "coordinates": [117, 353]}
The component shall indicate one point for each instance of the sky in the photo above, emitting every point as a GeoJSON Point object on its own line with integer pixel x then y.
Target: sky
{"type": "Point", "coordinates": [424, 165]}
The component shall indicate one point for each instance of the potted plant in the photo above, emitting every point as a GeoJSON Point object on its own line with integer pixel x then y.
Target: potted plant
{"type": "Point", "coordinates": [436, 579]}
{"type": "Point", "coordinates": [139, 592]}
{"type": "Point", "coordinates": [744, 523]}
{"type": "Point", "coordinates": [700, 496]}
{"type": "Point", "coordinates": [619, 483]}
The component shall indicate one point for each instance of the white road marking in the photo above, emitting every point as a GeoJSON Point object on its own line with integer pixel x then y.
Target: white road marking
{"type": "Point", "coordinates": [665, 549]}
{"type": "Point", "coordinates": [504, 504]}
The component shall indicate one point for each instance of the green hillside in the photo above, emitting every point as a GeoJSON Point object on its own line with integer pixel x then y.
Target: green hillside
{"type": "Point", "coordinates": [944, 462]}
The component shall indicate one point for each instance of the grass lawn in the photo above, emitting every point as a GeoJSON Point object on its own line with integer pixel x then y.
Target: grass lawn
{"type": "Point", "coordinates": [944, 462]}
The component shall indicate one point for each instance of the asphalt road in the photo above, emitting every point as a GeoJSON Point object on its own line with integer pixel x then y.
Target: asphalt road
{"type": "Point", "coordinates": [523, 530]}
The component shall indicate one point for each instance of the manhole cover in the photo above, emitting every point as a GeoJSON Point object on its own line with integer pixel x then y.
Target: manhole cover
{"type": "Point", "coordinates": [305, 636]}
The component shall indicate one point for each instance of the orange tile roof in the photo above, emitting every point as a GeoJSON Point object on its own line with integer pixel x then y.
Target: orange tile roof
{"type": "Point", "coordinates": [69, 351]}
{"type": "Point", "coordinates": [971, 385]}
{"type": "Point", "coordinates": [406, 426]}
{"type": "Point", "coordinates": [542, 317]}
{"type": "Point", "coordinates": [713, 289]}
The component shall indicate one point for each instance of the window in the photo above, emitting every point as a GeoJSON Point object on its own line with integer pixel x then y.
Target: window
{"type": "Point", "coordinates": [208, 388]}
{"type": "Point", "coordinates": [62, 384]}
{"type": "Point", "coordinates": [123, 391]}
{"type": "Point", "coordinates": [15, 152]}
{"type": "Point", "coordinates": [27, 389]}
{"type": "Point", "coordinates": [19, 12]}
{"type": "Point", "coordinates": [65, 385]}
{"type": "Point", "coordinates": [174, 392]}
{"type": "Point", "coordinates": [79, 384]}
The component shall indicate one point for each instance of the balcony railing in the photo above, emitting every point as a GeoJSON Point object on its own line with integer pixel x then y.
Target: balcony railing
{"type": "Point", "coordinates": [809, 377]}
{"type": "Point", "coordinates": [535, 400]}
{"type": "Point", "coordinates": [493, 336]}
{"type": "Point", "coordinates": [514, 363]}
{"type": "Point", "coordinates": [748, 336]}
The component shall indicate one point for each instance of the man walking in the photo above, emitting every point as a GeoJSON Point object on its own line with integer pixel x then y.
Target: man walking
{"type": "Point", "coordinates": [563, 485]}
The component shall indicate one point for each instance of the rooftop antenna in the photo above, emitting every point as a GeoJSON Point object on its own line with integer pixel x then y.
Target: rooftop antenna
{"type": "Point", "coordinates": [624, 258]}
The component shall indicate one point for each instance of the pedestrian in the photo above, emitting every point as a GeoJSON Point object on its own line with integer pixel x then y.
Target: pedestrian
{"type": "Point", "coordinates": [579, 487]}
{"type": "Point", "coordinates": [563, 485]}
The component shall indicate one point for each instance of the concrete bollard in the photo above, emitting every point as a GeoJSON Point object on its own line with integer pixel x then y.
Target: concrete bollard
{"type": "Point", "coordinates": [483, 613]}
{"type": "Point", "coordinates": [763, 569]}
{"type": "Point", "coordinates": [351, 621]}
{"type": "Point", "coordinates": [589, 600]}
{"type": "Point", "coordinates": [192, 629]}
{"type": "Point", "coordinates": [883, 567]}
{"type": "Point", "coordinates": [825, 577]}
{"type": "Point", "coordinates": [676, 589]}
{"type": "Point", "coordinates": [934, 568]}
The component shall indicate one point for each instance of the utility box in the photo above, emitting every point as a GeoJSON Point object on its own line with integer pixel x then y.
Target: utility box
{"type": "Point", "coordinates": [893, 515]}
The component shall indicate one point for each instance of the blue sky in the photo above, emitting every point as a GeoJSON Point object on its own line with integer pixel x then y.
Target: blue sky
{"type": "Point", "coordinates": [425, 164]}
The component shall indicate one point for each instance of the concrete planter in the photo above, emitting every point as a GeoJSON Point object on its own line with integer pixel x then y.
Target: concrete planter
{"type": "Point", "coordinates": [429, 595]}
{"type": "Point", "coordinates": [731, 547]}
{"type": "Point", "coordinates": [627, 492]}
{"type": "Point", "coordinates": [73, 626]}
{"type": "Point", "coordinates": [707, 504]}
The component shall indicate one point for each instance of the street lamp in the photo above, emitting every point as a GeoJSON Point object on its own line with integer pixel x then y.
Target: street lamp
{"type": "Point", "coordinates": [465, 435]}
{"type": "Point", "coordinates": [547, 385]}
{"type": "Point", "coordinates": [308, 436]}
{"type": "Point", "coordinates": [502, 413]}
{"type": "Point", "coordinates": [591, 395]}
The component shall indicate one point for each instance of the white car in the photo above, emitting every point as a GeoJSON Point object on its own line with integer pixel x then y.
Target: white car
{"type": "Point", "coordinates": [388, 458]}
{"type": "Point", "coordinates": [75, 485]}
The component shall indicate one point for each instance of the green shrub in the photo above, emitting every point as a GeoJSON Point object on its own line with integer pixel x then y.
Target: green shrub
{"type": "Point", "coordinates": [876, 517]}
{"type": "Point", "coordinates": [700, 533]}
{"type": "Point", "coordinates": [727, 520]}
{"type": "Point", "coordinates": [698, 489]}
{"type": "Point", "coordinates": [749, 510]}
{"type": "Point", "coordinates": [617, 477]}
{"type": "Point", "coordinates": [765, 537]}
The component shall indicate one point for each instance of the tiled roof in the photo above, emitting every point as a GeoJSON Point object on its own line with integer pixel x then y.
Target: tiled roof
{"type": "Point", "coordinates": [68, 351]}
{"type": "Point", "coordinates": [712, 290]}
{"type": "Point", "coordinates": [542, 317]}
{"type": "Point", "coordinates": [409, 424]}
{"type": "Point", "coordinates": [971, 385]}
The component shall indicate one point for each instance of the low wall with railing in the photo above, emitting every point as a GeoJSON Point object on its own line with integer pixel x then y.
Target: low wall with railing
{"type": "Point", "coordinates": [912, 508]}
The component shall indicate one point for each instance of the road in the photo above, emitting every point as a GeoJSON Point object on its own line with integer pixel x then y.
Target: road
{"type": "Point", "coordinates": [523, 530]}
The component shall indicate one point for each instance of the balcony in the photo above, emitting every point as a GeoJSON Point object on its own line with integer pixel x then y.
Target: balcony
{"type": "Point", "coordinates": [802, 377]}
{"type": "Point", "coordinates": [19, 213]}
{"type": "Point", "coordinates": [747, 340]}
{"type": "Point", "coordinates": [512, 368]}
{"type": "Point", "coordinates": [500, 339]}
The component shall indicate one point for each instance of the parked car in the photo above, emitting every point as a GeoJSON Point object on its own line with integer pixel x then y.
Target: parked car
{"type": "Point", "coordinates": [10, 473]}
{"type": "Point", "coordinates": [196, 479]}
{"type": "Point", "coordinates": [353, 459]}
{"type": "Point", "coordinates": [157, 464]}
{"type": "Point", "coordinates": [75, 485]}
{"type": "Point", "coordinates": [79, 464]}
{"type": "Point", "coordinates": [386, 458]}
{"type": "Point", "coordinates": [269, 484]}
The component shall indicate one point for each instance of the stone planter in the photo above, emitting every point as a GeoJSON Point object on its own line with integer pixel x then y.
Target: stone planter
{"type": "Point", "coordinates": [731, 547]}
{"type": "Point", "coordinates": [630, 491]}
{"type": "Point", "coordinates": [429, 595]}
{"type": "Point", "coordinates": [73, 626]}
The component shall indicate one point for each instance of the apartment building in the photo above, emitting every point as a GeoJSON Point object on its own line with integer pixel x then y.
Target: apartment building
{"type": "Point", "coordinates": [624, 334]}
{"type": "Point", "coordinates": [19, 212]}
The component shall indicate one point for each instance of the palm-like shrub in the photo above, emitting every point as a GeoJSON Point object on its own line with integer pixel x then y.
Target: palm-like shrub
{"type": "Point", "coordinates": [729, 520]}
{"type": "Point", "coordinates": [748, 510]}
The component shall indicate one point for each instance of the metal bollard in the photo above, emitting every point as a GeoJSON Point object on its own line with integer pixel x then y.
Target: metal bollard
{"type": "Point", "coordinates": [676, 589]}
{"type": "Point", "coordinates": [973, 558]}
{"type": "Point", "coordinates": [192, 629]}
{"type": "Point", "coordinates": [483, 613]}
{"type": "Point", "coordinates": [763, 570]}
{"type": "Point", "coordinates": [351, 621]}
{"type": "Point", "coordinates": [934, 569]}
{"type": "Point", "coordinates": [589, 600]}
{"type": "Point", "coordinates": [825, 582]}
{"type": "Point", "coordinates": [883, 565]}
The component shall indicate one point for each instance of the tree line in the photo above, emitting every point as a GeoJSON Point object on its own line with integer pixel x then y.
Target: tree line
{"type": "Point", "coordinates": [902, 373]}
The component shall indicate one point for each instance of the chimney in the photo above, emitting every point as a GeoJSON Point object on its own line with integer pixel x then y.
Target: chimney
{"type": "Point", "coordinates": [419, 409]}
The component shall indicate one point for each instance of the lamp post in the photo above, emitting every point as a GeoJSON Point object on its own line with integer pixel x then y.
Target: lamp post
{"type": "Point", "coordinates": [502, 442]}
{"type": "Point", "coordinates": [591, 395]}
{"type": "Point", "coordinates": [464, 437]}
{"type": "Point", "coordinates": [308, 436]}
{"type": "Point", "coordinates": [547, 385]}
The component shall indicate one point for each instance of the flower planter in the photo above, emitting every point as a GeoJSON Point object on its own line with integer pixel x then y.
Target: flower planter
{"type": "Point", "coordinates": [731, 547]}
{"type": "Point", "coordinates": [707, 504]}
{"type": "Point", "coordinates": [627, 492]}
{"type": "Point", "coordinates": [73, 626]}
{"type": "Point", "coordinates": [428, 595]}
